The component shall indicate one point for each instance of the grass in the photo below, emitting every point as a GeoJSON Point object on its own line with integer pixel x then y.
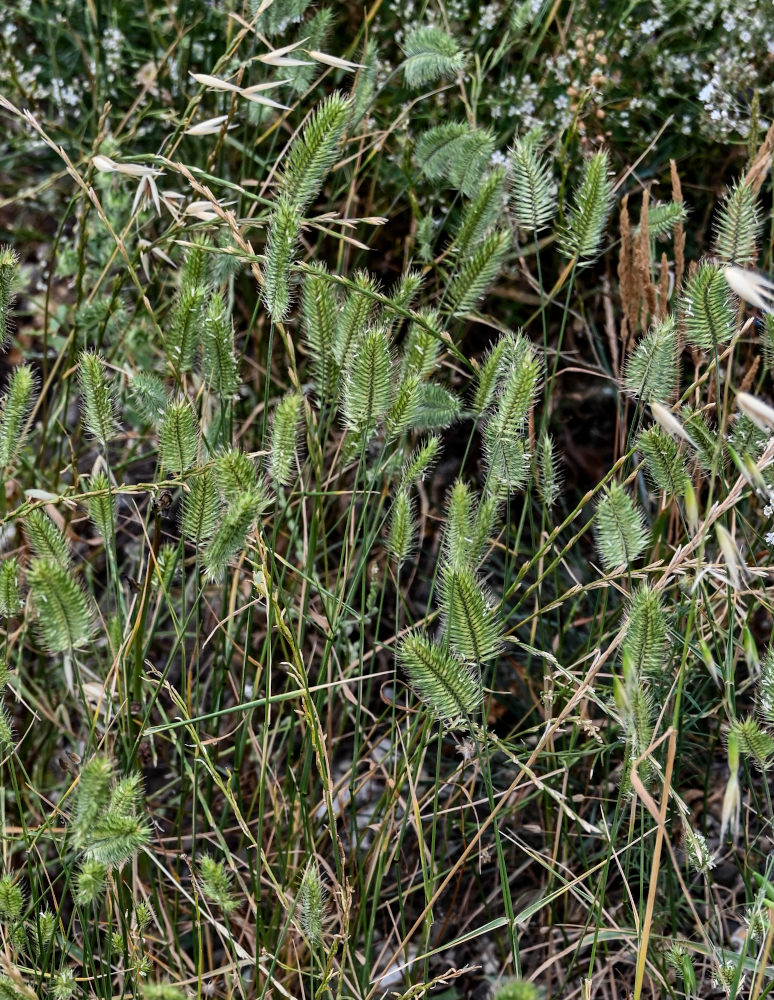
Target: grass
{"type": "Point", "coordinates": [385, 548]}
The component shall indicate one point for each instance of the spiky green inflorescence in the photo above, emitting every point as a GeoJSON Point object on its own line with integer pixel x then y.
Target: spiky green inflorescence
{"type": "Point", "coordinates": [102, 506]}
{"type": "Point", "coordinates": [401, 298]}
{"type": "Point", "coordinates": [737, 226]}
{"type": "Point", "coordinates": [480, 214]}
{"type": "Point", "coordinates": [746, 437]}
{"type": "Point", "coordinates": [14, 409]}
{"type": "Point", "coordinates": [664, 461]}
{"type": "Point", "coordinates": [706, 309]}
{"type": "Point", "coordinates": [163, 991]}
{"type": "Point", "coordinates": [43, 930]}
{"type": "Point", "coordinates": [45, 539]}
{"type": "Point", "coordinates": [581, 237]}
{"type": "Point", "coordinates": [405, 407]}
{"type": "Point", "coordinates": [451, 688]}
{"type": "Point", "coordinates": [150, 396]}
{"type": "Point", "coordinates": [104, 821]}
{"type": "Point", "coordinates": [471, 625]}
{"type": "Point", "coordinates": [285, 429]}
{"type": "Point", "coordinates": [507, 463]}
{"type": "Point", "coordinates": [9, 277]}
{"type": "Point", "coordinates": [636, 704]}
{"type": "Point", "coordinates": [422, 345]}
{"type": "Point", "coordinates": [518, 388]}
{"type": "Point", "coordinates": [488, 375]}
{"type": "Point", "coordinates": [517, 989]}
{"type": "Point", "coordinates": [662, 218]}
{"type": "Point", "coordinates": [353, 317]}
{"type": "Point", "coordinates": [63, 985]}
{"type": "Point", "coordinates": [312, 903]}
{"type": "Point", "coordinates": [548, 478]}
{"type": "Point", "coordinates": [144, 914]}
{"type": "Point", "coordinates": [164, 568]}
{"type": "Point", "coordinates": [231, 534]}
{"type": "Point", "coordinates": [400, 541]}
{"type": "Point", "coordinates": [201, 508]}
{"type": "Point", "coordinates": [91, 798]}
{"type": "Point", "coordinates": [457, 153]}
{"type": "Point", "coordinates": [275, 17]}
{"type": "Point", "coordinates": [431, 55]}
{"type": "Point", "coordinates": [679, 959]}
{"type": "Point", "coordinates": [184, 325]}
{"type": "Point", "coordinates": [196, 263]}
{"type": "Point", "coordinates": [312, 154]}
{"type": "Point", "coordinates": [419, 461]}
{"type": "Point", "coordinates": [126, 796]}
{"type": "Point", "coordinates": [767, 342]}
{"type": "Point", "coordinates": [116, 838]}
{"type": "Point", "coordinates": [11, 899]}
{"type": "Point", "coordinates": [90, 882]}
{"type": "Point", "coordinates": [436, 408]}
{"type": "Point", "coordinates": [365, 81]}
{"type": "Point", "coordinates": [645, 630]}
{"type": "Point", "coordinates": [483, 527]}
{"type": "Point", "coordinates": [698, 855]}
{"type": "Point", "coordinates": [766, 687]}
{"type": "Point", "coordinates": [99, 397]}
{"type": "Point", "coordinates": [638, 722]}
{"type": "Point", "coordinates": [477, 272]}
{"type": "Point", "coordinates": [216, 883]}
{"type": "Point", "coordinates": [178, 437]}
{"type": "Point", "coordinates": [652, 369]}
{"type": "Point", "coordinates": [6, 732]}
{"type": "Point", "coordinates": [319, 312]}
{"type": "Point", "coordinates": [184, 328]}
{"type": "Point", "coordinates": [755, 743]}
{"type": "Point", "coordinates": [701, 434]}
{"type": "Point", "coordinates": [235, 474]}
{"type": "Point", "coordinates": [63, 617]}
{"type": "Point", "coordinates": [619, 527]}
{"type": "Point", "coordinates": [367, 386]}
{"type": "Point", "coordinates": [458, 535]}
{"type": "Point", "coordinates": [10, 595]}
{"type": "Point", "coordinates": [281, 244]}
{"type": "Point", "coordinates": [219, 364]}
{"type": "Point", "coordinates": [532, 197]}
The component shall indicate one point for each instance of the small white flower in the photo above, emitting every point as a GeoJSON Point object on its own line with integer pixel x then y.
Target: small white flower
{"type": "Point", "coordinates": [706, 92]}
